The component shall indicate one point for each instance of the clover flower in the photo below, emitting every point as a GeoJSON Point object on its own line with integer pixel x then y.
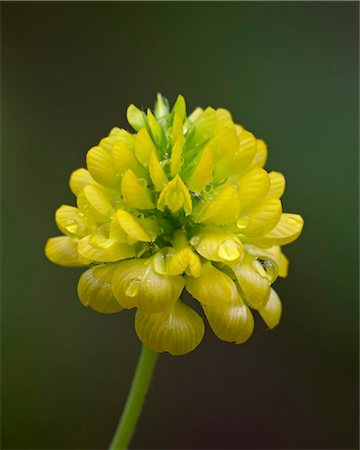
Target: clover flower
{"type": "Point", "coordinates": [182, 203]}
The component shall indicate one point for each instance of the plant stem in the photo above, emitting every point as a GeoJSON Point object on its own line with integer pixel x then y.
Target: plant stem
{"type": "Point", "coordinates": [135, 400]}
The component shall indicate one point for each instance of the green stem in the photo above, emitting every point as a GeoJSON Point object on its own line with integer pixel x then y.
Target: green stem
{"type": "Point", "coordinates": [135, 400]}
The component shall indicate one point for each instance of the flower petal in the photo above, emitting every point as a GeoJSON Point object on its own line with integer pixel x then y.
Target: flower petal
{"type": "Point", "coordinates": [176, 160]}
{"type": "Point", "coordinates": [135, 117]}
{"type": "Point", "coordinates": [271, 312]}
{"type": "Point", "coordinates": [155, 128]}
{"type": "Point", "coordinates": [175, 196]}
{"type": "Point", "coordinates": [204, 126]}
{"type": "Point", "coordinates": [277, 184]}
{"type": "Point", "coordinates": [217, 244]}
{"type": "Point", "coordinates": [125, 159]}
{"type": "Point", "coordinates": [101, 166]}
{"type": "Point", "coordinates": [202, 174]}
{"type": "Point", "coordinates": [217, 209]}
{"type": "Point", "coordinates": [135, 192]}
{"type": "Point", "coordinates": [136, 284]}
{"type": "Point", "coordinates": [287, 230]}
{"type": "Point", "coordinates": [62, 250]}
{"type": "Point", "coordinates": [180, 107]}
{"type": "Point", "coordinates": [253, 186]}
{"type": "Point", "coordinates": [273, 253]}
{"type": "Point", "coordinates": [79, 179]}
{"type": "Point", "coordinates": [132, 226]}
{"type": "Point", "coordinates": [262, 217]}
{"type": "Point", "coordinates": [99, 248]}
{"type": "Point", "coordinates": [260, 155]}
{"type": "Point", "coordinates": [98, 200]}
{"type": "Point", "coordinates": [232, 322]}
{"type": "Point", "coordinates": [178, 330]}
{"type": "Point", "coordinates": [94, 289]}
{"type": "Point", "coordinates": [254, 283]}
{"type": "Point", "coordinates": [144, 147]}
{"type": "Point", "coordinates": [184, 260]}
{"type": "Point", "coordinates": [157, 173]}
{"type": "Point", "coordinates": [213, 287]}
{"type": "Point", "coordinates": [72, 222]}
{"type": "Point", "coordinates": [225, 143]}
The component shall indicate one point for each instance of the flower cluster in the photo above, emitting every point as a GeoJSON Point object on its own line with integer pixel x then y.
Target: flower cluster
{"type": "Point", "coordinates": [182, 203]}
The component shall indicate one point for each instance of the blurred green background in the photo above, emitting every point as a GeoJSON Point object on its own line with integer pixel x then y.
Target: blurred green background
{"type": "Point", "coordinates": [289, 73]}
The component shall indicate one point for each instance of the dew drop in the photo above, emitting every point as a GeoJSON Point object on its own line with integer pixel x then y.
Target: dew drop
{"type": "Point", "coordinates": [243, 222]}
{"type": "Point", "coordinates": [195, 240]}
{"type": "Point", "coordinates": [132, 287]}
{"type": "Point", "coordinates": [228, 250]}
{"type": "Point", "coordinates": [268, 269]}
{"type": "Point", "coordinates": [159, 263]}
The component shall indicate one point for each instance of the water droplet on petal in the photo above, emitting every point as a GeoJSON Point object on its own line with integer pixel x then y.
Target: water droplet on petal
{"type": "Point", "coordinates": [132, 287]}
{"type": "Point", "coordinates": [195, 240]}
{"type": "Point", "coordinates": [268, 269]}
{"type": "Point", "coordinates": [142, 182]}
{"type": "Point", "coordinates": [229, 250]}
{"type": "Point", "coordinates": [159, 263]}
{"type": "Point", "coordinates": [243, 222]}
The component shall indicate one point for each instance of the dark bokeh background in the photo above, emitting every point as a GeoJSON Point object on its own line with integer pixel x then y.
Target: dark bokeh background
{"type": "Point", "coordinates": [288, 72]}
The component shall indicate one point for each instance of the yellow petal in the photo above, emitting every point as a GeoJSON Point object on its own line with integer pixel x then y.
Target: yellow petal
{"type": "Point", "coordinates": [132, 226]}
{"type": "Point", "coordinates": [253, 282]}
{"type": "Point", "coordinates": [62, 250]}
{"type": "Point", "coordinates": [202, 174]}
{"type": "Point", "coordinates": [94, 289]}
{"type": "Point", "coordinates": [178, 330]}
{"type": "Point", "coordinates": [101, 166]}
{"type": "Point", "coordinates": [79, 179]}
{"type": "Point", "coordinates": [98, 200]}
{"type": "Point", "coordinates": [260, 155]}
{"type": "Point", "coordinates": [89, 212]}
{"type": "Point", "coordinates": [136, 284]}
{"type": "Point", "coordinates": [261, 218]}
{"type": "Point", "coordinates": [176, 131]}
{"type": "Point", "coordinates": [176, 160]}
{"type": "Point", "coordinates": [144, 147]}
{"type": "Point", "coordinates": [247, 149]}
{"type": "Point", "coordinates": [118, 135]}
{"type": "Point", "coordinates": [155, 128]}
{"type": "Point", "coordinates": [277, 184]}
{"type": "Point", "coordinates": [287, 230]}
{"type": "Point", "coordinates": [175, 196]}
{"type": "Point", "coordinates": [217, 210]}
{"type": "Point", "coordinates": [213, 287]}
{"type": "Point", "coordinates": [217, 244]}
{"type": "Point", "coordinates": [223, 115]}
{"type": "Point", "coordinates": [184, 260]}
{"type": "Point", "coordinates": [232, 322]}
{"type": "Point", "coordinates": [204, 127]}
{"type": "Point", "coordinates": [125, 159]}
{"type": "Point", "coordinates": [253, 186]}
{"type": "Point", "coordinates": [117, 233]}
{"type": "Point", "coordinates": [225, 143]}
{"type": "Point", "coordinates": [195, 114]}
{"type": "Point", "coordinates": [273, 254]}
{"type": "Point", "coordinates": [99, 248]}
{"type": "Point", "coordinates": [135, 192]}
{"type": "Point", "coordinates": [180, 107]}
{"type": "Point", "coordinates": [271, 312]}
{"type": "Point", "coordinates": [72, 222]}
{"type": "Point", "coordinates": [135, 117]}
{"type": "Point", "coordinates": [157, 173]}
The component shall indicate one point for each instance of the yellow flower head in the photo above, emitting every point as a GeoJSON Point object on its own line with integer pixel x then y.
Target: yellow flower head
{"type": "Point", "coordinates": [182, 203]}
